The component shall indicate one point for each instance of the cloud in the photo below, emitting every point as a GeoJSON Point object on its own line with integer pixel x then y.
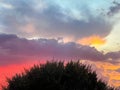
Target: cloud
{"type": "Point", "coordinates": [118, 70]}
{"type": "Point", "coordinates": [110, 72]}
{"type": "Point", "coordinates": [113, 55]}
{"type": "Point", "coordinates": [114, 9]}
{"type": "Point", "coordinates": [94, 40]}
{"type": "Point", "coordinates": [15, 50]}
{"type": "Point", "coordinates": [52, 17]}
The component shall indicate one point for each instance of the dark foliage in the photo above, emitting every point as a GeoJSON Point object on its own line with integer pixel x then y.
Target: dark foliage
{"type": "Point", "coordinates": [57, 76]}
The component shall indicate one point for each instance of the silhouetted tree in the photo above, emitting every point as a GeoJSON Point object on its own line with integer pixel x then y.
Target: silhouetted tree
{"type": "Point", "coordinates": [57, 76]}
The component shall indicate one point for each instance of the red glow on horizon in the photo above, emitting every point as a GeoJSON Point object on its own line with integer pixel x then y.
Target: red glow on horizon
{"type": "Point", "coordinates": [11, 70]}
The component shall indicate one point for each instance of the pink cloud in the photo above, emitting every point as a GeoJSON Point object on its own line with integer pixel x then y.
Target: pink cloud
{"type": "Point", "coordinates": [18, 50]}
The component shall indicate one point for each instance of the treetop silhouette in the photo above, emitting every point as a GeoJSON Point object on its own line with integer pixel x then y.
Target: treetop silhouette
{"type": "Point", "coordinates": [57, 76]}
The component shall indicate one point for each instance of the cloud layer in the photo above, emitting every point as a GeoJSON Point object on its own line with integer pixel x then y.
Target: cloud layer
{"type": "Point", "coordinates": [15, 50]}
{"type": "Point", "coordinates": [70, 20]}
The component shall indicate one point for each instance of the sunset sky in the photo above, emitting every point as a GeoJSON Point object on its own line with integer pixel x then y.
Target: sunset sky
{"type": "Point", "coordinates": [34, 31]}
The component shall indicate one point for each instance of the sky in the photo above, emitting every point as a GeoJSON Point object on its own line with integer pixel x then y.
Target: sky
{"type": "Point", "coordinates": [34, 31]}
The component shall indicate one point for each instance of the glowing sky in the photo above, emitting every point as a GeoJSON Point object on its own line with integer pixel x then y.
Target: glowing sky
{"type": "Point", "coordinates": [38, 30]}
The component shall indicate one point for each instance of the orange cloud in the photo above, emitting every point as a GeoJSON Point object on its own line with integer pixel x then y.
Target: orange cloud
{"type": "Point", "coordinates": [92, 41]}
{"type": "Point", "coordinates": [106, 71]}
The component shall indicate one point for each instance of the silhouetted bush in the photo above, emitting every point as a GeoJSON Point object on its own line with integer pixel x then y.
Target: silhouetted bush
{"type": "Point", "coordinates": [57, 76]}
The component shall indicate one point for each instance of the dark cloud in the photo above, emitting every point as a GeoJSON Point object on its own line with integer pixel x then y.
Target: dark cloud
{"type": "Point", "coordinates": [51, 19]}
{"type": "Point", "coordinates": [113, 55]}
{"type": "Point", "coordinates": [118, 70]}
{"type": "Point", "coordinates": [15, 50]}
{"type": "Point", "coordinates": [114, 9]}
